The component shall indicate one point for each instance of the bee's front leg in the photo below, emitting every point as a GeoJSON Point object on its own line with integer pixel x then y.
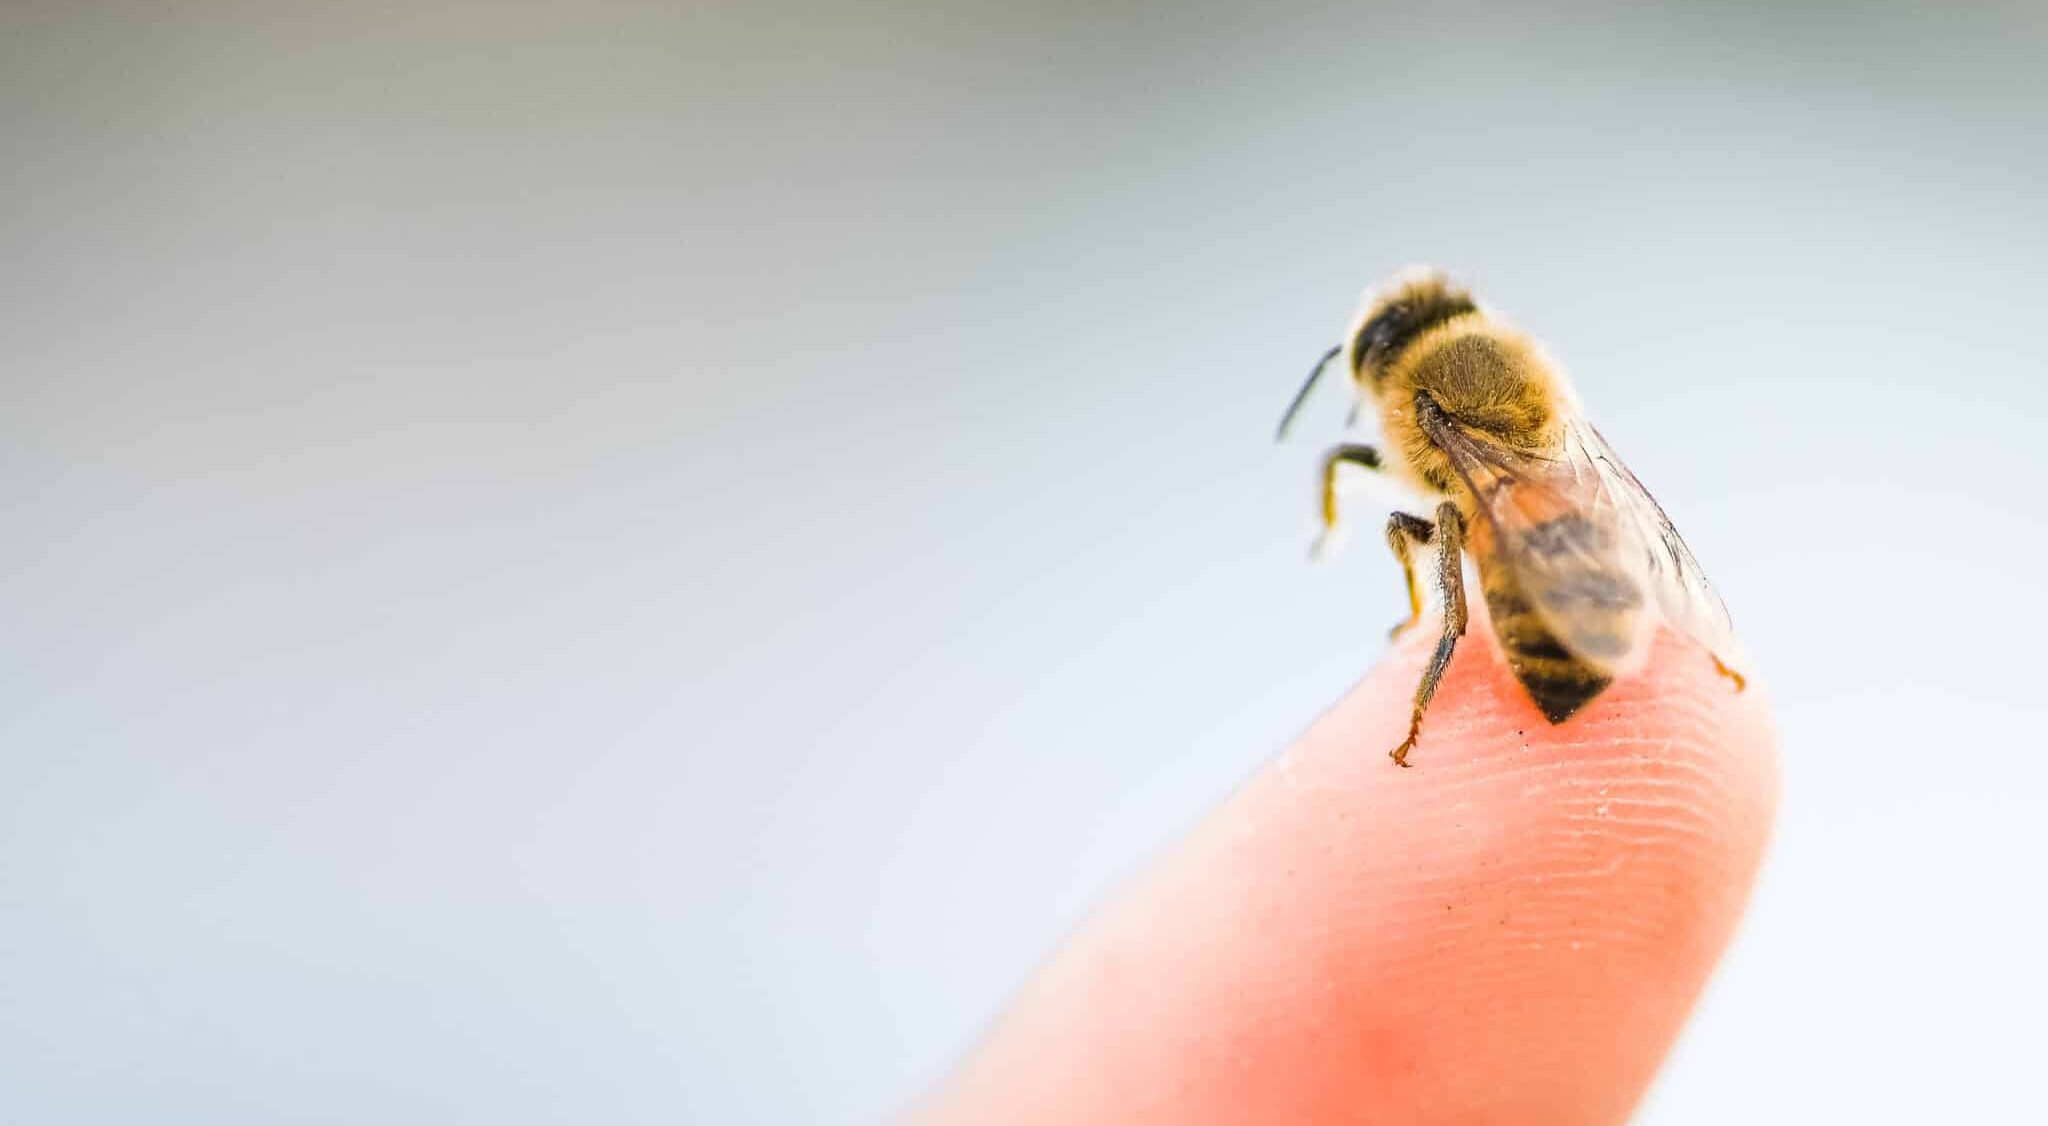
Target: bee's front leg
{"type": "Point", "coordinates": [1450, 579]}
{"type": "Point", "coordinates": [1365, 457]}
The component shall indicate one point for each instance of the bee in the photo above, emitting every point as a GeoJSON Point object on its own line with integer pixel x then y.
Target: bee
{"type": "Point", "coordinates": [1578, 564]}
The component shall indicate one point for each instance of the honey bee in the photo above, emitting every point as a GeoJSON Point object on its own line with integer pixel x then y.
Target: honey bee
{"type": "Point", "coordinates": [1577, 562]}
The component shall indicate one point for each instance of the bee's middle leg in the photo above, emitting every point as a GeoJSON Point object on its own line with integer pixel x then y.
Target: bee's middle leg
{"type": "Point", "coordinates": [1404, 531]}
{"type": "Point", "coordinates": [1450, 578]}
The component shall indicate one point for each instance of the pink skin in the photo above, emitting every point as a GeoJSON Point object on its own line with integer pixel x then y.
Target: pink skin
{"type": "Point", "coordinates": [1513, 931]}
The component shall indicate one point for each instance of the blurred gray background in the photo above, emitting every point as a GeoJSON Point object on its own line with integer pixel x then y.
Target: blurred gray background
{"type": "Point", "coordinates": [619, 566]}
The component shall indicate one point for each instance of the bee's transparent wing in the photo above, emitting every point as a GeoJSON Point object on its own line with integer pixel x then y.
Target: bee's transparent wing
{"type": "Point", "coordinates": [1551, 533]}
{"type": "Point", "coordinates": [1584, 544]}
{"type": "Point", "coordinates": [1674, 578]}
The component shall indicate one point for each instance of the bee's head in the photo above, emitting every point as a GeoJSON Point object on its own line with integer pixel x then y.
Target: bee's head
{"type": "Point", "coordinates": [1393, 318]}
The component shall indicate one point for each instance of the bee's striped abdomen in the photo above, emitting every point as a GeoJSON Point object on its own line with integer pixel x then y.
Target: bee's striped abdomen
{"type": "Point", "coordinates": [1557, 681]}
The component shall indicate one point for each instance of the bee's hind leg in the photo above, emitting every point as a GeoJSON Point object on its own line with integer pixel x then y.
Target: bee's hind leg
{"type": "Point", "coordinates": [1450, 577]}
{"type": "Point", "coordinates": [1349, 453]}
{"type": "Point", "coordinates": [1722, 667]}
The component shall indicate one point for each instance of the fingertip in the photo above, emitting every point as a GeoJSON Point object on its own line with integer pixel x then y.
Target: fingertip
{"type": "Point", "coordinates": [1515, 928]}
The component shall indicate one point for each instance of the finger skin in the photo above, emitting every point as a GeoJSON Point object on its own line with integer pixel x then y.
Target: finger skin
{"type": "Point", "coordinates": [1511, 931]}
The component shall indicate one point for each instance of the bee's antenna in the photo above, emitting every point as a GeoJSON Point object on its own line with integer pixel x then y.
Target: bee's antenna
{"type": "Point", "coordinates": [1301, 396]}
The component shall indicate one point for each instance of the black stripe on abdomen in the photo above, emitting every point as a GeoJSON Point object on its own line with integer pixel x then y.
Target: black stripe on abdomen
{"type": "Point", "coordinates": [1558, 683]}
{"type": "Point", "coordinates": [1558, 688]}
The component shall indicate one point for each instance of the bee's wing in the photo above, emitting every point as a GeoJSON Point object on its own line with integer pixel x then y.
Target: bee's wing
{"type": "Point", "coordinates": [1584, 541]}
{"type": "Point", "coordinates": [1552, 531]}
{"type": "Point", "coordinates": [1674, 578]}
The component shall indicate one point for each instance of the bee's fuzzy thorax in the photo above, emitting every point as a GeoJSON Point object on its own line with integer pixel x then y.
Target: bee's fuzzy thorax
{"type": "Point", "coordinates": [1426, 336]}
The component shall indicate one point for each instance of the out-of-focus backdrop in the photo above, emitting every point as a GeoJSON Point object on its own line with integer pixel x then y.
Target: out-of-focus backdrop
{"type": "Point", "coordinates": [574, 563]}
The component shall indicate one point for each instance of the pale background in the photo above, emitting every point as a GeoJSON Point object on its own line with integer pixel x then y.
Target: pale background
{"type": "Point", "coordinates": [615, 567]}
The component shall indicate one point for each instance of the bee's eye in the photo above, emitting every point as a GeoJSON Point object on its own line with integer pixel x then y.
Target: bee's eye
{"type": "Point", "coordinates": [1383, 332]}
{"type": "Point", "coordinates": [1394, 327]}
